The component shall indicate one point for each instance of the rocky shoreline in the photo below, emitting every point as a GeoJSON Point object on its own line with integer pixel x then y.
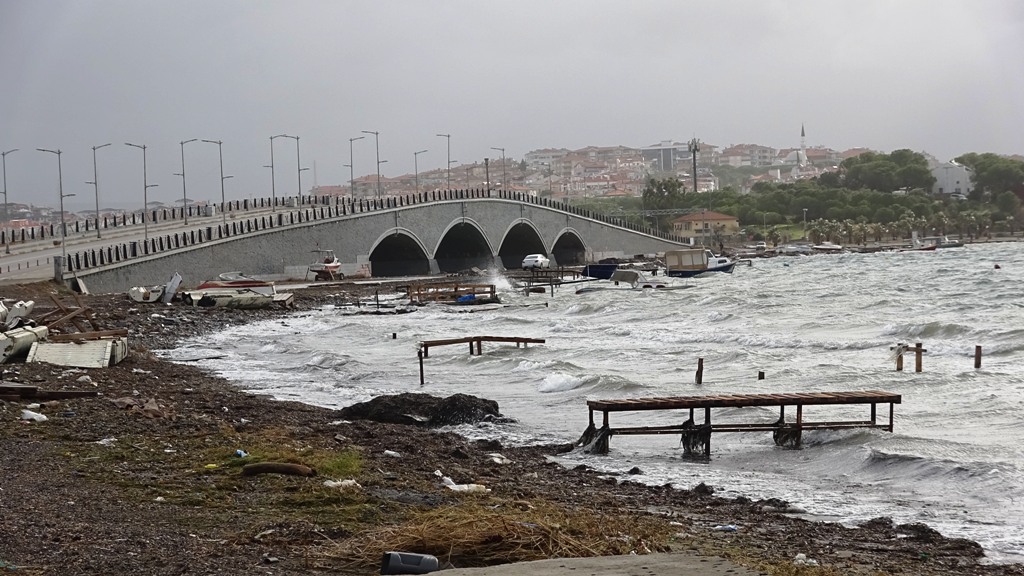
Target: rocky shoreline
{"type": "Point", "coordinates": [151, 477]}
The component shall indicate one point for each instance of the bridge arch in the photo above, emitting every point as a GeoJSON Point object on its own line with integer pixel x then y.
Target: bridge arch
{"type": "Point", "coordinates": [521, 237]}
{"type": "Point", "coordinates": [569, 248]}
{"type": "Point", "coordinates": [463, 245]}
{"type": "Point", "coordinates": [399, 252]}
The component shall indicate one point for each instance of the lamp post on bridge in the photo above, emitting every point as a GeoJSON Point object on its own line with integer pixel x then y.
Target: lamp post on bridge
{"type": "Point", "coordinates": [96, 185]}
{"type": "Point", "coordinates": [7, 215]}
{"type": "Point", "coordinates": [145, 191]}
{"type": "Point", "coordinates": [351, 167]}
{"type": "Point", "coordinates": [449, 138]}
{"type": "Point", "coordinates": [416, 167]}
{"type": "Point", "coordinates": [63, 226]}
{"type": "Point", "coordinates": [504, 182]}
{"type": "Point", "coordinates": [223, 200]}
{"type": "Point", "coordinates": [184, 195]}
{"type": "Point", "coordinates": [376, 141]}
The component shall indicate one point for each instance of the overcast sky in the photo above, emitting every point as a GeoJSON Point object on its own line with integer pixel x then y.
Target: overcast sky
{"type": "Point", "coordinates": [940, 76]}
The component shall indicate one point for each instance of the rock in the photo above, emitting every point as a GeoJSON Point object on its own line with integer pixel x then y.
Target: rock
{"type": "Point", "coordinates": [423, 410]}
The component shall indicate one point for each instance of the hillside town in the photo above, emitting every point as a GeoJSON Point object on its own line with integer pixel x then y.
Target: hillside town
{"type": "Point", "coordinates": [565, 175]}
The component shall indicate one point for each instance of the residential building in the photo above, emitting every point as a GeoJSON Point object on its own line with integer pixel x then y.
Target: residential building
{"type": "Point", "coordinates": [952, 178]}
{"type": "Point", "coordinates": [704, 226]}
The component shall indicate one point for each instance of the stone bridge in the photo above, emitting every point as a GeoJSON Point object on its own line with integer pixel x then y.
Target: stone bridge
{"type": "Point", "coordinates": [429, 233]}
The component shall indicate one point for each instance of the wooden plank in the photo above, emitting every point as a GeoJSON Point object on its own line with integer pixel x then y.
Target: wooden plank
{"type": "Point", "coordinates": [88, 335]}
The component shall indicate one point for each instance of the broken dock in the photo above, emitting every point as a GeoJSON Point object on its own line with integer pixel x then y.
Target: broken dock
{"type": "Point", "coordinates": [475, 345]}
{"type": "Point", "coordinates": [696, 438]}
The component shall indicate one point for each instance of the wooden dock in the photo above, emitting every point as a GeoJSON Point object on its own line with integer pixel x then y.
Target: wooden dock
{"type": "Point", "coordinates": [474, 342]}
{"type": "Point", "coordinates": [696, 438]}
{"type": "Point", "coordinates": [450, 292]}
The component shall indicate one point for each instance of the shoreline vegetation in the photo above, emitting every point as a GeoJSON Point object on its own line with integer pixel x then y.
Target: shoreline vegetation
{"type": "Point", "coordinates": [155, 475]}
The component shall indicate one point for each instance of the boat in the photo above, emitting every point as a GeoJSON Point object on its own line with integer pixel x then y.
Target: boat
{"type": "Point", "coordinates": [159, 293]}
{"type": "Point", "coordinates": [827, 247]}
{"type": "Point", "coordinates": [242, 298]}
{"type": "Point", "coordinates": [919, 246]}
{"type": "Point", "coordinates": [599, 271]}
{"type": "Point", "coordinates": [629, 280]}
{"type": "Point", "coordinates": [692, 262]}
{"type": "Point", "coordinates": [942, 242]}
{"type": "Point", "coordinates": [235, 281]}
{"type": "Point", "coordinates": [326, 266]}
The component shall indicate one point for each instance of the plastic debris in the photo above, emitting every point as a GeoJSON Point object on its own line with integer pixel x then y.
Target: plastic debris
{"type": "Point", "coordinates": [392, 454]}
{"type": "Point", "coordinates": [725, 528]}
{"type": "Point", "coordinates": [33, 416]}
{"type": "Point", "coordinates": [802, 560]}
{"type": "Point", "coordinates": [107, 441]}
{"type": "Point", "coordinates": [451, 485]}
{"type": "Point", "coordinates": [342, 484]}
{"type": "Point", "coordinates": [498, 458]}
{"type": "Point", "coordinates": [241, 453]}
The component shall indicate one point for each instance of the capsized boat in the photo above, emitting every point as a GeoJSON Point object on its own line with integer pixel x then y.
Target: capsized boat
{"type": "Point", "coordinates": [243, 298]}
{"type": "Point", "coordinates": [629, 280]}
{"type": "Point", "coordinates": [235, 281]}
{"type": "Point", "coordinates": [160, 293]}
{"type": "Point", "coordinates": [691, 262]}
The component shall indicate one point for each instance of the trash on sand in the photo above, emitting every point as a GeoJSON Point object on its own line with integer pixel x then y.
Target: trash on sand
{"type": "Point", "coordinates": [241, 453]}
{"type": "Point", "coordinates": [725, 528]}
{"type": "Point", "coordinates": [408, 563]}
{"type": "Point", "coordinates": [343, 484]}
{"type": "Point", "coordinates": [33, 416]}
{"type": "Point", "coordinates": [106, 441]}
{"type": "Point", "coordinates": [498, 458]}
{"type": "Point", "coordinates": [802, 560]}
{"type": "Point", "coordinates": [475, 488]}
{"type": "Point", "coordinates": [392, 454]}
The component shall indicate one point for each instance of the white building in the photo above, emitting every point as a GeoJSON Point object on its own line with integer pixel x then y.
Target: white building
{"type": "Point", "coordinates": [952, 178]}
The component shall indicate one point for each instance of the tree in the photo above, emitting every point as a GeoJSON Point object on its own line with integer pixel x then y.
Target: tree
{"type": "Point", "coordinates": [994, 173]}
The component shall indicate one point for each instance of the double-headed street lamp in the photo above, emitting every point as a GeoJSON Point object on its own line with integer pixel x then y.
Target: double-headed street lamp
{"type": "Point", "coordinates": [96, 185]}
{"type": "Point", "coordinates": [376, 141]}
{"type": "Point", "coordinates": [504, 182]}
{"type": "Point", "coordinates": [449, 137]}
{"type": "Point", "coordinates": [145, 191]}
{"type": "Point", "coordinates": [184, 196]}
{"type": "Point", "coordinates": [351, 167]}
{"type": "Point", "coordinates": [416, 167]}
{"type": "Point", "coordinates": [298, 161]}
{"type": "Point", "coordinates": [63, 226]}
{"type": "Point", "coordinates": [223, 202]}
{"type": "Point", "coordinates": [7, 215]}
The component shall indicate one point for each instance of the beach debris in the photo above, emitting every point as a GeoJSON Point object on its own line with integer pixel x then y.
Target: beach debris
{"type": "Point", "coordinates": [17, 342]}
{"type": "Point", "coordinates": [83, 353]}
{"type": "Point", "coordinates": [802, 560]}
{"type": "Point", "coordinates": [149, 407]}
{"type": "Point", "coordinates": [342, 484]}
{"type": "Point", "coordinates": [392, 454]}
{"type": "Point", "coordinates": [725, 528]}
{"type": "Point", "coordinates": [277, 468]}
{"type": "Point", "coordinates": [408, 563]}
{"type": "Point", "coordinates": [241, 453]}
{"type": "Point", "coordinates": [33, 416]}
{"type": "Point", "coordinates": [498, 458]}
{"type": "Point", "coordinates": [451, 485]}
{"type": "Point", "coordinates": [109, 441]}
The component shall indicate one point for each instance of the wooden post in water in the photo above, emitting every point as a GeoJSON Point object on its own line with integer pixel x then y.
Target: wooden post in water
{"type": "Point", "coordinates": [419, 353]}
{"type": "Point", "coordinates": [899, 357]}
{"type": "Point", "coordinates": [760, 375]}
{"type": "Point", "coordinates": [977, 357]}
{"type": "Point", "coordinates": [699, 377]}
{"type": "Point", "coordinates": [918, 356]}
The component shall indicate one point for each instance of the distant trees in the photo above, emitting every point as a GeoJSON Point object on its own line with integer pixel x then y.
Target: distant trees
{"type": "Point", "coordinates": [903, 168]}
{"type": "Point", "coordinates": [994, 173]}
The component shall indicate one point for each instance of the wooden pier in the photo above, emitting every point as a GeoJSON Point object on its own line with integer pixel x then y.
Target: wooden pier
{"type": "Point", "coordinates": [473, 341]}
{"type": "Point", "coordinates": [696, 438]}
{"type": "Point", "coordinates": [450, 292]}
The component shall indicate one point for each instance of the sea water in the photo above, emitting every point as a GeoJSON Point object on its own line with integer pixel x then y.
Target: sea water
{"type": "Point", "coordinates": [817, 323]}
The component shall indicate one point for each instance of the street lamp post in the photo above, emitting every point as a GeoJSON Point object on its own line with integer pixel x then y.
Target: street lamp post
{"type": "Point", "coordinates": [449, 137]}
{"type": "Point", "coordinates": [7, 215]}
{"type": "Point", "coordinates": [351, 167]}
{"type": "Point", "coordinates": [504, 182]}
{"type": "Point", "coordinates": [273, 185]}
{"type": "Point", "coordinates": [298, 160]}
{"type": "Point", "coordinates": [416, 167]}
{"type": "Point", "coordinates": [184, 196]}
{"type": "Point", "coordinates": [145, 191]}
{"type": "Point", "coordinates": [63, 226]}
{"type": "Point", "coordinates": [376, 141]}
{"type": "Point", "coordinates": [96, 185]}
{"type": "Point", "coordinates": [694, 146]}
{"type": "Point", "coordinates": [220, 155]}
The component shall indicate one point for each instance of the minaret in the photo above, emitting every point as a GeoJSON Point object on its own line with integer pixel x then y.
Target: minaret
{"type": "Point", "coordinates": [802, 160]}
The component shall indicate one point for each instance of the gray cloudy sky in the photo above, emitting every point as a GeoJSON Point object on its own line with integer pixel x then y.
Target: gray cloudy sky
{"type": "Point", "coordinates": [942, 76]}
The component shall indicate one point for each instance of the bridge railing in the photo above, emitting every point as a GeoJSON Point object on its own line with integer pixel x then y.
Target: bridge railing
{"type": "Point", "coordinates": [297, 211]}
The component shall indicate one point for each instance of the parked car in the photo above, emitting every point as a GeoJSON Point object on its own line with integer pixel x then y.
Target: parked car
{"type": "Point", "coordinates": [536, 261]}
{"type": "Point", "coordinates": [761, 246]}
{"type": "Point", "coordinates": [958, 197]}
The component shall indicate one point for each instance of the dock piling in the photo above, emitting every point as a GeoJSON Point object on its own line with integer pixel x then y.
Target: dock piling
{"type": "Point", "coordinates": [977, 357]}
{"type": "Point", "coordinates": [699, 377]}
{"type": "Point", "coordinates": [760, 375]}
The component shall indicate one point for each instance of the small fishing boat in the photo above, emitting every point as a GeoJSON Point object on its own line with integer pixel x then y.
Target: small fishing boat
{"type": "Point", "coordinates": [942, 242]}
{"type": "Point", "coordinates": [326, 266]}
{"type": "Point", "coordinates": [159, 293]}
{"type": "Point", "coordinates": [692, 262]}
{"type": "Point", "coordinates": [599, 271]}
{"type": "Point", "coordinates": [827, 247]}
{"type": "Point", "coordinates": [242, 298]}
{"type": "Point", "coordinates": [629, 280]}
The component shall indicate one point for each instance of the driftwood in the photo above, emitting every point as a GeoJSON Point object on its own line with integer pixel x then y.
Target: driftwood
{"type": "Point", "coordinates": [277, 468]}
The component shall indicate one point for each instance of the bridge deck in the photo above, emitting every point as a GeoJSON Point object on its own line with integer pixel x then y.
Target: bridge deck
{"type": "Point", "coordinates": [697, 437]}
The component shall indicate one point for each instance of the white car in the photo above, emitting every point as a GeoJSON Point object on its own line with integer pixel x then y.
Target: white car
{"type": "Point", "coordinates": [536, 261]}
